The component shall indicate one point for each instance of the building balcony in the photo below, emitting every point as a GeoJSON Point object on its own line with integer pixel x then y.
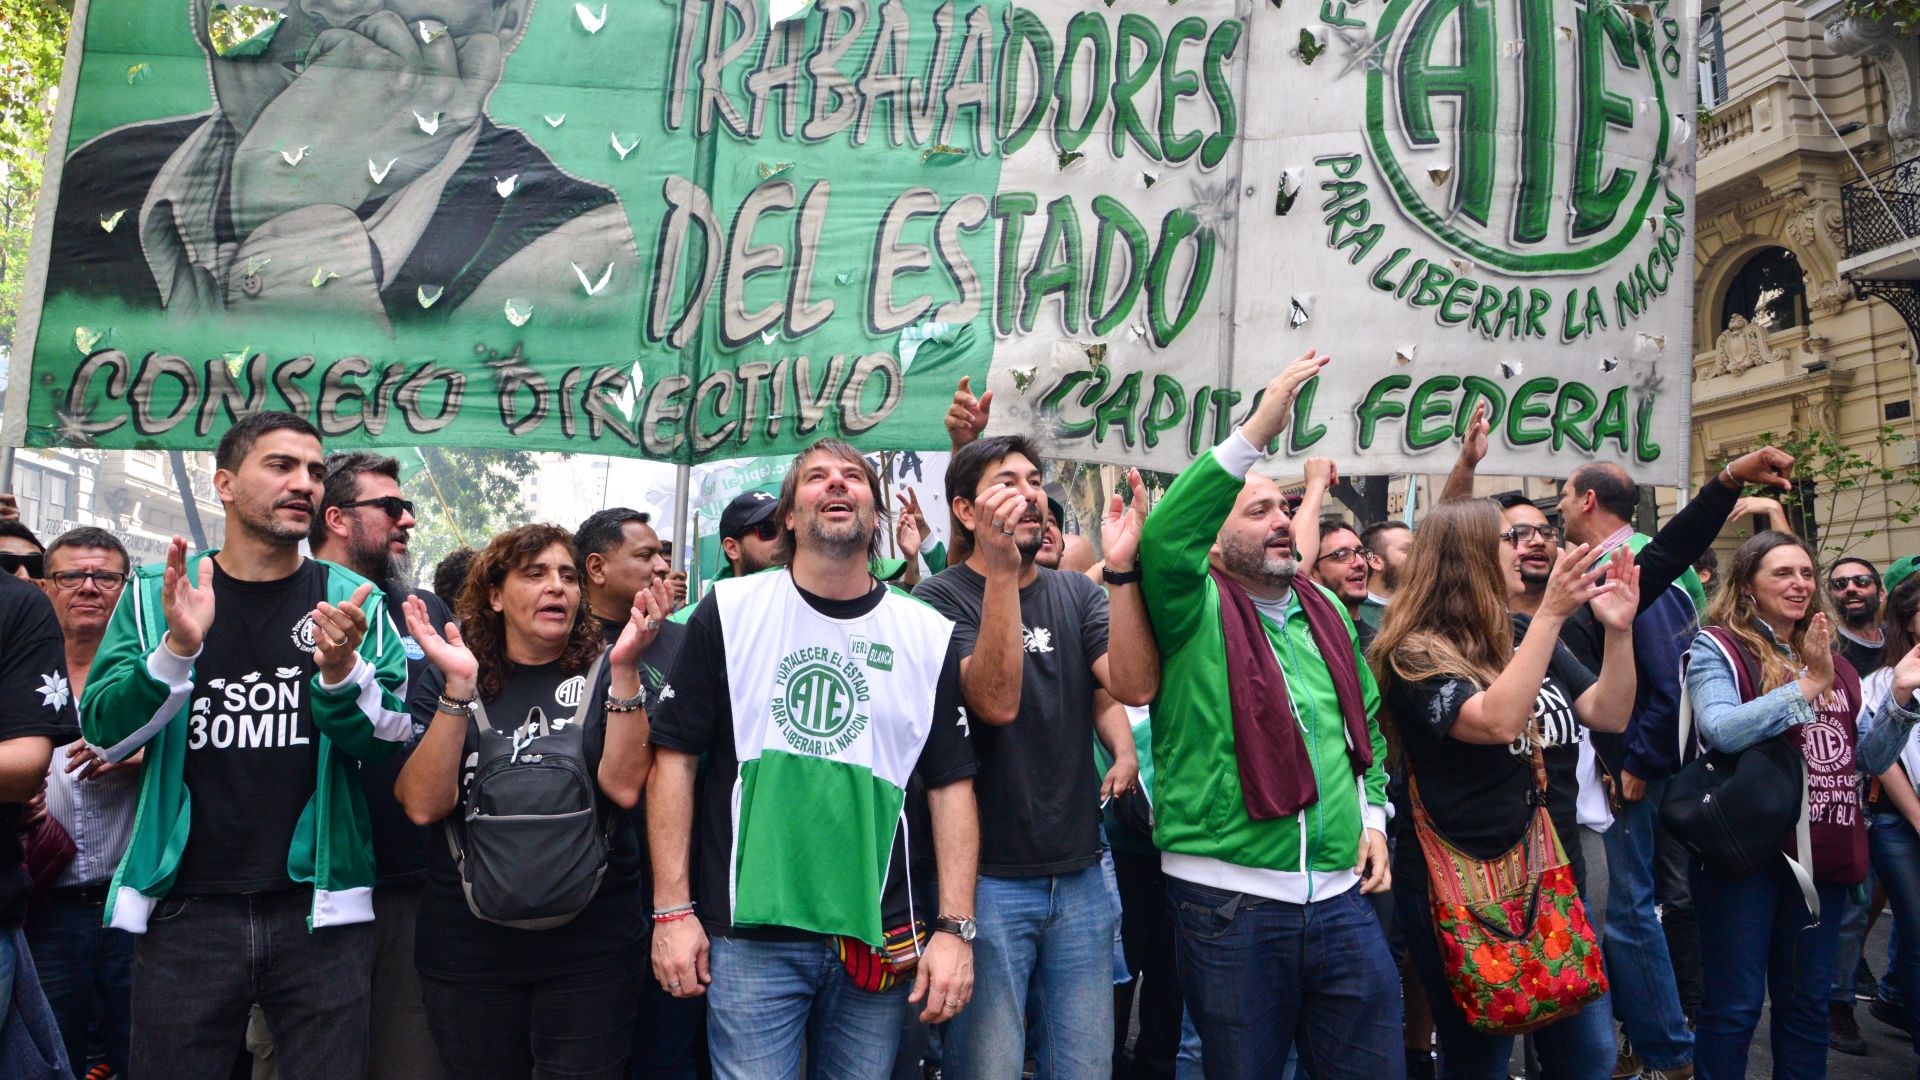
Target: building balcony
{"type": "Point", "coordinates": [1880, 219]}
{"type": "Point", "coordinates": [1773, 126]}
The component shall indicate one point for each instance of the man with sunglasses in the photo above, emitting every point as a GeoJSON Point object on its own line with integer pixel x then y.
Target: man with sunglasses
{"type": "Point", "coordinates": [86, 966]}
{"type": "Point", "coordinates": [1854, 585]}
{"type": "Point", "coordinates": [365, 524]}
{"type": "Point", "coordinates": [749, 535]}
{"type": "Point", "coordinates": [20, 551]}
{"type": "Point", "coordinates": [1341, 565]}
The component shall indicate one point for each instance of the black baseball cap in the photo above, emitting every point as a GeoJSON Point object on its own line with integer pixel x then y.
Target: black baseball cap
{"type": "Point", "coordinates": [745, 511]}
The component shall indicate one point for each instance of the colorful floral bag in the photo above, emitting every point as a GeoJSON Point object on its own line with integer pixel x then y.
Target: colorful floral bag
{"type": "Point", "coordinates": [1514, 938]}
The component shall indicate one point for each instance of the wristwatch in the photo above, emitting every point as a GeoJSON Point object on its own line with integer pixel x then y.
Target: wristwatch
{"type": "Point", "coordinates": [1120, 577]}
{"type": "Point", "coordinates": [962, 927]}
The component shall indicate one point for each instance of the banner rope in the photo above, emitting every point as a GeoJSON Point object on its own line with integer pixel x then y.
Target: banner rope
{"type": "Point", "coordinates": [445, 510]}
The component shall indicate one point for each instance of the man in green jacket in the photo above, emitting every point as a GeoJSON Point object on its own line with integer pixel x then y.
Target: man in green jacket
{"type": "Point", "coordinates": [258, 681]}
{"type": "Point", "coordinates": [1270, 795]}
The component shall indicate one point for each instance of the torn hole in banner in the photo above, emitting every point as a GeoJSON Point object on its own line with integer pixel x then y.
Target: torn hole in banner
{"type": "Point", "coordinates": [518, 311]}
{"type": "Point", "coordinates": [87, 339]}
{"type": "Point", "coordinates": [1404, 354]}
{"type": "Point", "coordinates": [241, 31]}
{"type": "Point", "coordinates": [1510, 369]}
{"type": "Point", "coordinates": [1290, 184]}
{"type": "Point", "coordinates": [1313, 42]}
{"type": "Point", "coordinates": [1300, 311]}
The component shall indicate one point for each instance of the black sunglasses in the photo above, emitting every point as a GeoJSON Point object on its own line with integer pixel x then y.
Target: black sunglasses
{"type": "Point", "coordinates": [1858, 581]}
{"type": "Point", "coordinates": [393, 505]}
{"type": "Point", "coordinates": [768, 530]}
{"type": "Point", "coordinates": [35, 563]}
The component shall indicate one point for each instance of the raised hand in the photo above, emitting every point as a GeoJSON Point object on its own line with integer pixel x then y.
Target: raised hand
{"type": "Point", "coordinates": [1275, 410]}
{"type": "Point", "coordinates": [1817, 653]}
{"type": "Point", "coordinates": [1321, 473]}
{"type": "Point", "coordinates": [1906, 677]}
{"type": "Point", "coordinates": [911, 530]}
{"type": "Point", "coordinates": [1574, 581]}
{"type": "Point", "coordinates": [188, 607]}
{"type": "Point", "coordinates": [1617, 608]}
{"type": "Point", "coordinates": [1120, 529]}
{"type": "Point", "coordinates": [1473, 448]}
{"type": "Point", "coordinates": [996, 515]}
{"type": "Point", "coordinates": [967, 416]}
{"type": "Point", "coordinates": [337, 633]}
{"type": "Point", "coordinates": [677, 588]}
{"type": "Point", "coordinates": [1765, 467]}
{"type": "Point", "coordinates": [449, 653]}
{"type": "Point", "coordinates": [643, 625]}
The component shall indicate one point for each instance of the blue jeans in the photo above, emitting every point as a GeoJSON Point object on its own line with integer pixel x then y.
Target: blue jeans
{"type": "Point", "coordinates": [1759, 947]}
{"type": "Point", "coordinates": [86, 969]}
{"type": "Point", "coordinates": [1051, 937]}
{"type": "Point", "coordinates": [1579, 1047]}
{"type": "Point", "coordinates": [769, 1000]}
{"type": "Point", "coordinates": [1896, 859]}
{"type": "Point", "coordinates": [30, 1044]}
{"type": "Point", "coordinates": [1638, 966]}
{"type": "Point", "coordinates": [1261, 976]}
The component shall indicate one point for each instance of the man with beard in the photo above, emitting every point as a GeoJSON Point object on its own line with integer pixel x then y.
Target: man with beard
{"type": "Point", "coordinates": [1035, 645]}
{"type": "Point", "coordinates": [1343, 567]}
{"type": "Point", "coordinates": [826, 710]}
{"type": "Point", "coordinates": [1270, 794]}
{"type": "Point", "coordinates": [86, 967]}
{"type": "Point", "coordinates": [1854, 585]}
{"type": "Point", "coordinates": [227, 211]}
{"type": "Point", "coordinates": [621, 557]}
{"type": "Point", "coordinates": [259, 681]}
{"type": "Point", "coordinates": [749, 535]}
{"type": "Point", "coordinates": [364, 525]}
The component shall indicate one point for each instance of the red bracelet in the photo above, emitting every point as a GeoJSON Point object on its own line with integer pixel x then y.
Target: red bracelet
{"type": "Point", "coordinates": [673, 914]}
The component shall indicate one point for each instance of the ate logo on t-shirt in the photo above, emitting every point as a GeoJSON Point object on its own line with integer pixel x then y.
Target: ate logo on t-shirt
{"type": "Point", "coordinates": [303, 633]}
{"type": "Point", "coordinates": [251, 711]}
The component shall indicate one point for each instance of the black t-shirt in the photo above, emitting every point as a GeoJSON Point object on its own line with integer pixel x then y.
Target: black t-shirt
{"type": "Point", "coordinates": [252, 755]}
{"type": "Point", "coordinates": [450, 942]}
{"type": "Point", "coordinates": [35, 700]}
{"type": "Point", "coordinates": [400, 846]}
{"type": "Point", "coordinates": [1038, 788]}
{"type": "Point", "coordinates": [654, 665]}
{"type": "Point", "coordinates": [1866, 659]}
{"type": "Point", "coordinates": [1475, 794]}
{"type": "Point", "coordinates": [698, 719]}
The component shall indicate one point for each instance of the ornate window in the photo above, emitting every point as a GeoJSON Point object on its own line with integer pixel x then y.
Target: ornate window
{"type": "Point", "coordinates": [1768, 291]}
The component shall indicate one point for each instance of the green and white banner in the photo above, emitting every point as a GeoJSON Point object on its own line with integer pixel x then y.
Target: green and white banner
{"type": "Point", "coordinates": [704, 229]}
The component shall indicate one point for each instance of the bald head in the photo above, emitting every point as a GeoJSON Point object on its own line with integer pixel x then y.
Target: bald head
{"type": "Point", "coordinates": [1077, 554]}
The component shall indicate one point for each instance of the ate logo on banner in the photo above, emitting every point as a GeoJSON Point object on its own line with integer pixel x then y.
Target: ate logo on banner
{"type": "Point", "coordinates": [1518, 134]}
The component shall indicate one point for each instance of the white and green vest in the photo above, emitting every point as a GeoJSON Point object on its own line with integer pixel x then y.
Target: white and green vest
{"type": "Point", "coordinates": [829, 718]}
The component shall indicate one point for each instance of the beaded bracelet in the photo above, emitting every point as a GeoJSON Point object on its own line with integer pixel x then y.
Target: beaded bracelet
{"type": "Point", "coordinates": [673, 914]}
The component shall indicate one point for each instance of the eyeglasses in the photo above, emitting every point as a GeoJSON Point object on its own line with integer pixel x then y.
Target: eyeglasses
{"type": "Point", "coordinates": [36, 564]}
{"type": "Point", "coordinates": [104, 580]}
{"type": "Point", "coordinates": [1520, 534]}
{"type": "Point", "coordinates": [393, 505]}
{"type": "Point", "coordinates": [1345, 554]}
{"type": "Point", "coordinates": [1858, 581]}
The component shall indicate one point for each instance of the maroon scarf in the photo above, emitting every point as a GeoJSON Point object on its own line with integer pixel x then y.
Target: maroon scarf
{"type": "Point", "coordinates": [1834, 823]}
{"type": "Point", "coordinates": [1276, 773]}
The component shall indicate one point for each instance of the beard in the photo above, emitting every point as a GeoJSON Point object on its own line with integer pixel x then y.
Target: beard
{"type": "Point", "coordinates": [750, 563]}
{"type": "Point", "coordinates": [837, 540]}
{"type": "Point", "coordinates": [261, 524]}
{"type": "Point", "coordinates": [372, 557]}
{"type": "Point", "coordinates": [1859, 618]}
{"type": "Point", "coordinates": [1534, 579]}
{"type": "Point", "coordinates": [1256, 562]}
{"type": "Point", "coordinates": [1389, 576]}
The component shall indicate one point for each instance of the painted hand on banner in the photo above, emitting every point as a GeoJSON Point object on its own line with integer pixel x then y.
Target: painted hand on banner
{"type": "Point", "coordinates": [1120, 530]}
{"type": "Point", "coordinates": [188, 607]}
{"type": "Point", "coordinates": [449, 653]}
{"type": "Point", "coordinates": [967, 416]}
{"type": "Point", "coordinates": [352, 103]}
{"type": "Point", "coordinates": [337, 634]}
{"type": "Point", "coordinates": [1275, 410]}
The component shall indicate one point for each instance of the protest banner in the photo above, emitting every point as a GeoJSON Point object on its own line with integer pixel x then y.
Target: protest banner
{"type": "Point", "coordinates": [710, 229]}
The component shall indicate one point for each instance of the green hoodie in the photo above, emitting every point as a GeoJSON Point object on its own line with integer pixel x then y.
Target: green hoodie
{"type": "Point", "coordinates": [1201, 821]}
{"type": "Point", "coordinates": [137, 695]}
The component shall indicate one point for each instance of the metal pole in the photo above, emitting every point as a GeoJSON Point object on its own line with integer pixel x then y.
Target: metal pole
{"type": "Point", "coordinates": [6, 468]}
{"type": "Point", "coordinates": [189, 506]}
{"type": "Point", "coordinates": [682, 479]}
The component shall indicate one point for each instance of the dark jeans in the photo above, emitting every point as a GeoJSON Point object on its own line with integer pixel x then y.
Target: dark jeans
{"type": "Point", "coordinates": [1677, 918]}
{"type": "Point", "coordinates": [1146, 932]}
{"type": "Point", "coordinates": [86, 969]}
{"type": "Point", "coordinates": [1263, 977]}
{"type": "Point", "coordinates": [1896, 859]}
{"type": "Point", "coordinates": [1763, 950]}
{"type": "Point", "coordinates": [668, 1032]}
{"type": "Point", "coordinates": [205, 960]}
{"type": "Point", "coordinates": [574, 1026]}
{"type": "Point", "coordinates": [1578, 1047]}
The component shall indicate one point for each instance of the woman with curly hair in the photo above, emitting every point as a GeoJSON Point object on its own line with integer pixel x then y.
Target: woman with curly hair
{"type": "Point", "coordinates": [1471, 710]}
{"type": "Point", "coordinates": [553, 995]}
{"type": "Point", "coordinates": [1764, 668]}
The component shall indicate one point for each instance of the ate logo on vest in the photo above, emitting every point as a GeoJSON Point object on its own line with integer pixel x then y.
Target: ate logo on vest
{"type": "Point", "coordinates": [1517, 133]}
{"type": "Point", "coordinates": [820, 700]}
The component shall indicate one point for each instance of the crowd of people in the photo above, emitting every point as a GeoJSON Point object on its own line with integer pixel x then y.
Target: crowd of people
{"type": "Point", "coordinates": [1243, 791]}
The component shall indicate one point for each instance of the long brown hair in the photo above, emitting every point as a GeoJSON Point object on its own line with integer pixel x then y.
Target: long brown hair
{"type": "Point", "coordinates": [1902, 604]}
{"type": "Point", "coordinates": [1734, 611]}
{"type": "Point", "coordinates": [486, 629]}
{"type": "Point", "coordinates": [1449, 616]}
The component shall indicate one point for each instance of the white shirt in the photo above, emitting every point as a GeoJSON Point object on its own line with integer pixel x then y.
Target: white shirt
{"type": "Point", "coordinates": [97, 814]}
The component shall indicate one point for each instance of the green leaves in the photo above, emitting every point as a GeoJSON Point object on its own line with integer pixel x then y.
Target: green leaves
{"type": "Point", "coordinates": [33, 41]}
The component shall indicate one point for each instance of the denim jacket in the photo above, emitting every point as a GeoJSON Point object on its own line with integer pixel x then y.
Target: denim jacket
{"type": "Point", "coordinates": [1730, 725]}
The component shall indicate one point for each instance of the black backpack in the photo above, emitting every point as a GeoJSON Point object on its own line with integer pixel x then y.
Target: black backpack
{"type": "Point", "coordinates": [530, 842]}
